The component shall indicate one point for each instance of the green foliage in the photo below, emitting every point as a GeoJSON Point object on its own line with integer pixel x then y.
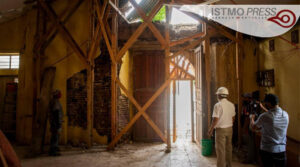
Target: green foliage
{"type": "Point", "coordinates": [161, 15]}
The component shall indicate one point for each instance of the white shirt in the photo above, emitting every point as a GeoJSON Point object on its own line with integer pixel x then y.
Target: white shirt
{"type": "Point", "coordinates": [224, 110]}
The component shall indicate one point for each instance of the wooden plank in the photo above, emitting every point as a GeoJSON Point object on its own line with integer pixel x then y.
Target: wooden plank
{"type": "Point", "coordinates": [104, 34]}
{"type": "Point", "coordinates": [239, 87]}
{"type": "Point", "coordinates": [96, 38]}
{"type": "Point", "coordinates": [182, 69]}
{"type": "Point", "coordinates": [40, 120]}
{"type": "Point", "coordinates": [67, 36]}
{"type": "Point", "coordinates": [98, 34]}
{"type": "Point", "coordinates": [155, 127]}
{"type": "Point", "coordinates": [130, 97]}
{"type": "Point", "coordinates": [187, 69]}
{"type": "Point", "coordinates": [139, 31]}
{"type": "Point", "coordinates": [174, 111]}
{"type": "Point", "coordinates": [208, 79]}
{"type": "Point", "coordinates": [131, 40]}
{"type": "Point", "coordinates": [192, 110]}
{"type": "Point", "coordinates": [53, 31]}
{"type": "Point", "coordinates": [114, 97]}
{"type": "Point", "coordinates": [90, 104]}
{"type": "Point", "coordinates": [151, 26]}
{"type": "Point", "coordinates": [167, 73]}
{"type": "Point", "coordinates": [183, 40]}
{"type": "Point", "coordinates": [190, 46]}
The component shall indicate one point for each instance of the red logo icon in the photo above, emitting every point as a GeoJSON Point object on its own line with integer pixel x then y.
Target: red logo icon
{"type": "Point", "coordinates": [284, 18]}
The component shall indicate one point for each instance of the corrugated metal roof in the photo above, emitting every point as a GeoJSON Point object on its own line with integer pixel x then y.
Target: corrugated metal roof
{"type": "Point", "coordinates": [146, 5]}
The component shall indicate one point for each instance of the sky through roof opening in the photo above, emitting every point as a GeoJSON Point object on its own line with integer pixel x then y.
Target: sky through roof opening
{"type": "Point", "coordinates": [178, 17]}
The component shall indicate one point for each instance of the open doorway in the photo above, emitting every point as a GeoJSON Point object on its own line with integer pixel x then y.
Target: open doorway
{"type": "Point", "coordinates": [182, 110]}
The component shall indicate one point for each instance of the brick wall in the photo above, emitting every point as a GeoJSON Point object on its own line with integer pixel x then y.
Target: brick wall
{"type": "Point", "coordinates": [77, 100]}
{"type": "Point", "coordinates": [77, 95]}
{"type": "Point", "coordinates": [102, 95]}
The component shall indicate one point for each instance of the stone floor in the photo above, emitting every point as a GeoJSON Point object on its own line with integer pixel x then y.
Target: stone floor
{"type": "Point", "coordinates": [183, 154]}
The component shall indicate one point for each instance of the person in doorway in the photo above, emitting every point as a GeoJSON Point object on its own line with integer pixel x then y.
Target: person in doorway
{"type": "Point", "coordinates": [273, 126]}
{"type": "Point", "coordinates": [223, 118]}
{"type": "Point", "coordinates": [56, 119]}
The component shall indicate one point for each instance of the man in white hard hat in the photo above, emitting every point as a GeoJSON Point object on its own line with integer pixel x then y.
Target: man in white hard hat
{"type": "Point", "coordinates": [223, 118]}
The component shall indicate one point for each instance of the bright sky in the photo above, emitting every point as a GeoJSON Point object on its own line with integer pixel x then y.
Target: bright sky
{"type": "Point", "coordinates": [180, 18]}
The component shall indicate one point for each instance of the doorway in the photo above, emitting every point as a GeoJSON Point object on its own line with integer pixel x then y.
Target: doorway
{"type": "Point", "coordinates": [182, 111]}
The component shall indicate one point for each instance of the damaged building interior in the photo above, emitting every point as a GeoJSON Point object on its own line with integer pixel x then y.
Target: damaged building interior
{"type": "Point", "coordinates": [136, 81]}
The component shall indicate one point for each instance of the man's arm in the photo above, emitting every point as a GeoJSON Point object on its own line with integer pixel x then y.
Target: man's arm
{"type": "Point", "coordinates": [262, 107]}
{"type": "Point", "coordinates": [212, 126]}
{"type": "Point", "coordinates": [253, 124]}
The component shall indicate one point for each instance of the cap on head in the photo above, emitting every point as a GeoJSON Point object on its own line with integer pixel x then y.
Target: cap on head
{"type": "Point", "coordinates": [222, 91]}
{"type": "Point", "coordinates": [272, 99]}
{"type": "Point", "coordinates": [57, 94]}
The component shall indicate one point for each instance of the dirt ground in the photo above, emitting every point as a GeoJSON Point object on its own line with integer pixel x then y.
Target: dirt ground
{"type": "Point", "coordinates": [183, 154]}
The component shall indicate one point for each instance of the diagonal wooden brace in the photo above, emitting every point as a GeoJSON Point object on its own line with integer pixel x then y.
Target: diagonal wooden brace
{"type": "Point", "coordinates": [139, 31]}
{"type": "Point", "coordinates": [67, 36]}
{"type": "Point", "coordinates": [104, 33]}
{"type": "Point", "coordinates": [139, 108]}
{"type": "Point", "coordinates": [141, 111]}
{"type": "Point", "coordinates": [151, 26]}
{"type": "Point", "coordinates": [182, 69]}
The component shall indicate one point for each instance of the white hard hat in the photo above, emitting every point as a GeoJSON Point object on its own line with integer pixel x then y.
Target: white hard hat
{"type": "Point", "coordinates": [222, 91]}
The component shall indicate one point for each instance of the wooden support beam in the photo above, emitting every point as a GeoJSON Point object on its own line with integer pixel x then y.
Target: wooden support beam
{"type": "Point", "coordinates": [182, 69]}
{"type": "Point", "coordinates": [187, 69]}
{"type": "Point", "coordinates": [48, 37]}
{"type": "Point", "coordinates": [192, 110]}
{"type": "Point", "coordinates": [208, 79]}
{"type": "Point", "coordinates": [155, 127]}
{"type": "Point", "coordinates": [98, 33]}
{"type": "Point", "coordinates": [174, 111]}
{"type": "Point", "coordinates": [139, 30]}
{"type": "Point", "coordinates": [239, 87]}
{"type": "Point", "coordinates": [151, 26]}
{"type": "Point", "coordinates": [183, 40]}
{"type": "Point", "coordinates": [114, 71]}
{"type": "Point", "coordinates": [139, 108]}
{"type": "Point", "coordinates": [190, 46]}
{"type": "Point", "coordinates": [167, 73]}
{"type": "Point", "coordinates": [90, 104]}
{"type": "Point", "coordinates": [104, 33]}
{"type": "Point", "coordinates": [95, 40]}
{"type": "Point", "coordinates": [67, 36]}
{"type": "Point", "coordinates": [130, 97]}
{"type": "Point", "coordinates": [140, 112]}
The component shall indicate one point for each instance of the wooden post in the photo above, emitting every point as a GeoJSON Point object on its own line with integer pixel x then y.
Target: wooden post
{"type": "Point", "coordinates": [114, 98]}
{"type": "Point", "coordinates": [192, 110]}
{"type": "Point", "coordinates": [167, 73]}
{"type": "Point", "coordinates": [174, 111]}
{"type": "Point", "coordinates": [208, 80]}
{"type": "Point", "coordinates": [238, 80]}
{"type": "Point", "coordinates": [90, 104]}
